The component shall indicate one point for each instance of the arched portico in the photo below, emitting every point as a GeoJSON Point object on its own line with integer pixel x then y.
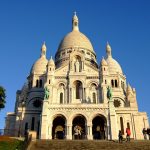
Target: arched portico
{"type": "Point", "coordinates": [99, 127]}
{"type": "Point", "coordinates": [59, 127]}
{"type": "Point", "coordinates": [79, 127]}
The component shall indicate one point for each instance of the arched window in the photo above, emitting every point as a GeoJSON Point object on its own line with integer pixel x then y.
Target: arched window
{"type": "Point", "coordinates": [116, 84]}
{"type": "Point", "coordinates": [121, 125]}
{"type": "Point", "coordinates": [78, 90]}
{"type": "Point", "coordinates": [112, 83]}
{"type": "Point", "coordinates": [49, 81]}
{"type": "Point", "coordinates": [94, 98]}
{"type": "Point", "coordinates": [61, 98]}
{"type": "Point", "coordinates": [104, 69]}
{"type": "Point", "coordinates": [37, 83]}
{"type": "Point", "coordinates": [128, 125]}
{"type": "Point", "coordinates": [32, 123]}
{"type": "Point", "coordinates": [105, 81]}
{"type": "Point", "coordinates": [40, 83]}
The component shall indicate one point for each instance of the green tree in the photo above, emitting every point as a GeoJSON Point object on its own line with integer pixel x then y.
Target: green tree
{"type": "Point", "coordinates": [2, 97]}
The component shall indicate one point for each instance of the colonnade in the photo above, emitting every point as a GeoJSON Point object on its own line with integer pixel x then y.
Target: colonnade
{"type": "Point", "coordinates": [60, 128]}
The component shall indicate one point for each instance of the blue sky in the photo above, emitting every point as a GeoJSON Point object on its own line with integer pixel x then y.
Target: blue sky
{"type": "Point", "coordinates": [25, 24]}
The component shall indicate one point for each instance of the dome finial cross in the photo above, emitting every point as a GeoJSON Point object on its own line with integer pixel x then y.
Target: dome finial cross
{"type": "Point", "coordinates": [75, 13]}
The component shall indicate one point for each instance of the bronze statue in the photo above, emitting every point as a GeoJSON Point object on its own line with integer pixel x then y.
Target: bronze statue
{"type": "Point", "coordinates": [46, 93]}
{"type": "Point", "coordinates": [109, 93]}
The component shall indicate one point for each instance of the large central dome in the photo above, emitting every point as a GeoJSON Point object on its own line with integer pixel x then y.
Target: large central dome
{"type": "Point", "coordinates": [75, 38]}
{"type": "Point", "coordinates": [75, 41]}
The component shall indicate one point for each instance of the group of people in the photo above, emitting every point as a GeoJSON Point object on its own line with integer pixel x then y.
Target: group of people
{"type": "Point", "coordinates": [120, 136]}
{"type": "Point", "coordinates": [146, 132]}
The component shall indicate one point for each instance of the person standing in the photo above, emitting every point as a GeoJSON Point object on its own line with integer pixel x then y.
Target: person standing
{"type": "Point", "coordinates": [144, 133]}
{"type": "Point", "coordinates": [148, 132]}
{"type": "Point", "coordinates": [128, 134]}
{"type": "Point", "coordinates": [120, 136]}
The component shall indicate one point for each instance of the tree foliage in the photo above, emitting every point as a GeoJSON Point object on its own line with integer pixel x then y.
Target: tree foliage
{"type": "Point", "coordinates": [2, 97]}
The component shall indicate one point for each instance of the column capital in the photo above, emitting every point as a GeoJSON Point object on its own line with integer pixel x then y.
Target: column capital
{"type": "Point", "coordinates": [69, 124]}
{"type": "Point", "coordinates": [89, 124]}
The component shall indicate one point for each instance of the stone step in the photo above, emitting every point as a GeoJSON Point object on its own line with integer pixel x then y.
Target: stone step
{"type": "Point", "coordinates": [88, 145]}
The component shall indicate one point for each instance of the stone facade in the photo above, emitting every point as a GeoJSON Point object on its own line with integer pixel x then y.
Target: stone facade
{"type": "Point", "coordinates": [77, 106]}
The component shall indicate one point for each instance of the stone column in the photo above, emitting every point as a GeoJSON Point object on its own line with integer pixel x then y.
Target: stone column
{"type": "Point", "coordinates": [82, 67]}
{"type": "Point", "coordinates": [44, 126]}
{"type": "Point", "coordinates": [83, 94]}
{"type": "Point", "coordinates": [50, 131]}
{"type": "Point", "coordinates": [69, 132]}
{"type": "Point", "coordinates": [97, 96]}
{"type": "Point", "coordinates": [89, 132]}
{"type": "Point", "coordinates": [70, 95]}
{"type": "Point", "coordinates": [65, 96]}
{"type": "Point", "coordinates": [113, 121]}
{"type": "Point", "coordinates": [106, 131]}
{"type": "Point", "coordinates": [108, 128]}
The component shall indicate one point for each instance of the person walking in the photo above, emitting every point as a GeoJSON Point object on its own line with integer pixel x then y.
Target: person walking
{"type": "Point", "coordinates": [120, 136]}
{"type": "Point", "coordinates": [128, 134]}
{"type": "Point", "coordinates": [144, 133]}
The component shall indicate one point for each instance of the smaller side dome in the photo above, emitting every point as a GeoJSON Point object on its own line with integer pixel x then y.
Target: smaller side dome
{"type": "Point", "coordinates": [103, 62]}
{"type": "Point", "coordinates": [113, 66]}
{"type": "Point", "coordinates": [40, 65]}
{"type": "Point", "coordinates": [51, 62]}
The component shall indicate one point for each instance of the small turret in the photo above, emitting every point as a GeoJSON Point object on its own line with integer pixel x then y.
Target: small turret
{"type": "Point", "coordinates": [129, 89]}
{"type": "Point", "coordinates": [103, 67]}
{"type": "Point", "coordinates": [43, 50]}
{"type": "Point", "coordinates": [51, 65]}
{"type": "Point", "coordinates": [108, 50]}
{"type": "Point", "coordinates": [75, 22]}
{"type": "Point", "coordinates": [131, 96]}
{"type": "Point", "coordinates": [103, 62]}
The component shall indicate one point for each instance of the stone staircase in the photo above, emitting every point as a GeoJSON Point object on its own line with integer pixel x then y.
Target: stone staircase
{"type": "Point", "coordinates": [87, 145]}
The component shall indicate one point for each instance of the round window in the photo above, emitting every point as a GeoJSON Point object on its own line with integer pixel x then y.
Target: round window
{"type": "Point", "coordinates": [117, 103]}
{"type": "Point", "coordinates": [37, 103]}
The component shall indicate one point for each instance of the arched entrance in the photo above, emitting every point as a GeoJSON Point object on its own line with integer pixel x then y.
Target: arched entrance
{"type": "Point", "coordinates": [79, 127]}
{"type": "Point", "coordinates": [98, 129]}
{"type": "Point", "coordinates": [58, 130]}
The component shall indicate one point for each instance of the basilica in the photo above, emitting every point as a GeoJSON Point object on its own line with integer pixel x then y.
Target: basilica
{"type": "Point", "coordinates": [66, 97]}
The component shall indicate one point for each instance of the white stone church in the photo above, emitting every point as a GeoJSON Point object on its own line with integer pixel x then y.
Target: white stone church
{"type": "Point", "coordinates": [77, 101]}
